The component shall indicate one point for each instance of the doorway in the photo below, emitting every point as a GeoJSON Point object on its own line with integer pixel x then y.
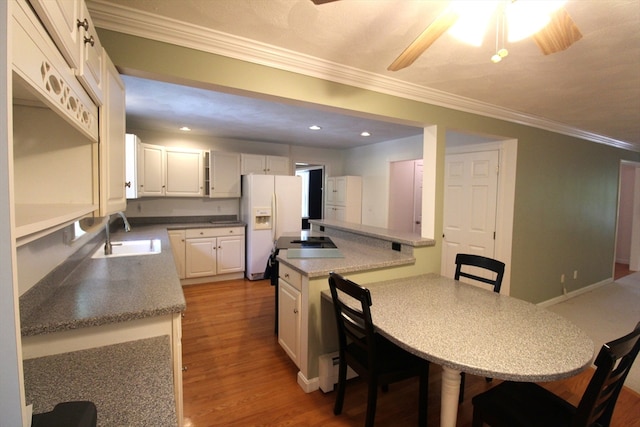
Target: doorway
{"type": "Point", "coordinates": [627, 251]}
{"type": "Point", "coordinates": [312, 192]}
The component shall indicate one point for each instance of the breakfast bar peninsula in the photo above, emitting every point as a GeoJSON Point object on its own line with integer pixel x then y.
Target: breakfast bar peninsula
{"type": "Point", "coordinates": [365, 254]}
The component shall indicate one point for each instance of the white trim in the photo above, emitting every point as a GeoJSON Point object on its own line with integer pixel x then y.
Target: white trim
{"type": "Point", "coordinates": [575, 293]}
{"type": "Point", "coordinates": [143, 24]}
{"type": "Point", "coordinates": [308, 385]}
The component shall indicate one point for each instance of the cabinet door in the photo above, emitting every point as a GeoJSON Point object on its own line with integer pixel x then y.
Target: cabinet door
{"type": "Point", "coordinates": [131, 165]}
{"type": "Point", "coordinates": [200, 257]}
{"type": "Point", "coordinates": [289, 301]}
{"type": "Point", "coordinates": [253, 164]}
{"type": "Point", "coordinates": [90, 70]}
{"type": "Point", "coordinates": [230, 256]}
{"type": "Point", "coordinates": [112, 143]}
{"type": "Point", "coordinates": [177, 239]}
{"type": "Point", "coordinates": [150, 170]}
{"type": "Point", "coordinates": [340, 190]}
{"type": "Point", "coordinates": [184, 173]}
{"type": "Point", "coordinates": [277, 165]}
{"type": "Point", "coordinates": [224, 172]}
{"type": "Point", "coordinates": [61, 18]}
{"type": "Point", "coordinates": [331, 191]}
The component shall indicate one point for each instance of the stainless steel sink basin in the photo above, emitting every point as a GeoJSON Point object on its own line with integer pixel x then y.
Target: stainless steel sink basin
{"type": "Point", "coordinates": [130, 248]}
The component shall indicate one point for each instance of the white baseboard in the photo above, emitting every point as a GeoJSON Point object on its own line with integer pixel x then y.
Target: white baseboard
{"type": "Point", "coordinates": [575, 293]}
{"type": "Point", "coordinates": [308, 385]}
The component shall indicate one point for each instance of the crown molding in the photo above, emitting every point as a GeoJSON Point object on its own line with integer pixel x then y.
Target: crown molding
{"type": "Point", "coordinates": [146, 25]}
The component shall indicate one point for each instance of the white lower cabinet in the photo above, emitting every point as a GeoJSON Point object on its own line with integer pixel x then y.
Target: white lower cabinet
{"type": "Point", "coordinates": [289, 316]}
{"type": "Point", "coordinates": [201, 257]}
{"type": "Point", "coordinates": [213, 253]}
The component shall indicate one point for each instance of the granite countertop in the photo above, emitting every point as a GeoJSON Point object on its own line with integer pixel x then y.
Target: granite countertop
{"type": "Point", "coordinates": [106, 290]}
{"type": "Point", "coordinates": [130, 383]}
{"type": "Point", "coordinates": [357, 256]}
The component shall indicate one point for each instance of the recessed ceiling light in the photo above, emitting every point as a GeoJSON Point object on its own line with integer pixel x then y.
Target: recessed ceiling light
{"type": "Point", "coordinates": [185, 129]}
{"type": "Point", "coordinates": [365, 133]}
{"type": "Point", "coordinates": [315, 127]}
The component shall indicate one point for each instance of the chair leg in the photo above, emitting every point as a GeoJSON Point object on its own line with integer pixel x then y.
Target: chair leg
{"type": "Point", "coordinates": [477, 420]}
{"type": "Point", "coordinates": [462, 381]}
{"type": "Point", "coordinates": [342, 383]}
{"type": "Point", "coordinates": [423, 397]}
{"type": "Point", "coordinates": [371, 402]}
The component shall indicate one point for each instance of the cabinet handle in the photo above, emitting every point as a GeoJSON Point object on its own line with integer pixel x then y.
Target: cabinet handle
{"type": "Point", "coordinates": [295, 310]}
{"type": "Point", "coordinates": [83, 24]}
{"type": "Point", "coordinates": [89, 40]}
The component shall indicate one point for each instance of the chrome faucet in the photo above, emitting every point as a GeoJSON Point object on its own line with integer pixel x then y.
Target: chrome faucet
{"type": "Point", "coordinates": [108, 249]}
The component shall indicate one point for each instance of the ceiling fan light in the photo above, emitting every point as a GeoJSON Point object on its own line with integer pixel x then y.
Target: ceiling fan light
{"type": "Point", "coordinates": [473, 20]}
{"type": "Point", "coordinates": [527, 17]}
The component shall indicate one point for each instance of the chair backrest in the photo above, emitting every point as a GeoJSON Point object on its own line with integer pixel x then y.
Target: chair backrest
{"type": "Point", "coordinates": [482, 262]}
{"type": "Point", "coordinates": [353, 317]}
{"type": "Point", "coordinates": [612, 366]}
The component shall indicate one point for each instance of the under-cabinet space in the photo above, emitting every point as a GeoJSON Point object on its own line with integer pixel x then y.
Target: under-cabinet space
{"type": "Point", "coordinates": [212, 253]}
{"type": "Point", "coordinates": [55, 170]}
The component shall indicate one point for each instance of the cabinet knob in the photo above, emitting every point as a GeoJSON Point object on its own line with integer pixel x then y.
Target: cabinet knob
{"type": "Point", "coordinates": [89, 40]}
{"type": "Point", "coordinates": [286, 275]}
{"type": "Point", "coordinates": [127, 184]}
{"type": "Point", "coordinates": [184, 368]}
{"type": "Point", "coordinates": [83, 24]}
{"type": "Point", "coordinates": [295, 310]}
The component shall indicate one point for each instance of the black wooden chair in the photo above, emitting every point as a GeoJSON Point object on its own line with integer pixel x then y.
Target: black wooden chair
{"type": "Point", "coordinates": [374, 358]}
{"type": "Point", "coordinates": [516, 404]}
{"type": "Point", "coordinates": [469, 260]}
{"type": "Point", "coordinates": [68, 414]}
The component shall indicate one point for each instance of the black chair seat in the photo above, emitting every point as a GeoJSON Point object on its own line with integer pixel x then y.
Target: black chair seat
{"type": "Point", "coordinates": [394, 360]}
{"type": "Point", "coordinates": [68, 414]}
{"type": "Point", "coordinates": [520, 404]}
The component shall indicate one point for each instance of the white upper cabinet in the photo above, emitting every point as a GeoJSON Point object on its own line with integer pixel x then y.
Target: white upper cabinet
{"type": "Point", "coordinates": [112, 142]}
{"type": "Point", "coordinates": [71, 28]}
{"type": "Point", "coordinates": [184, 173]}
{"type": "Point", "coordinates": [259, 164]}
{"type": "Point", "coordinates": [343, 200]}
{"type": "Point", "coordinates": [150, 174]}
{"type": "Point", "coordinates": [157, 171]}
{"type": "Point", "coordinates": [223, 177]}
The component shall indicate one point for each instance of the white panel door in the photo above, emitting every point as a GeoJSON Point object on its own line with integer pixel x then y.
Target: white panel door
{"type": "Point", "coordinates": [200, 257]}
{"type": "Point", "coordinates": [470, 200]}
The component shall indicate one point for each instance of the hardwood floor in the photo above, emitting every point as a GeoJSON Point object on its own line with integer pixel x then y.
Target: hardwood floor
{"type": "Point", "coordinates": [621, 270]}
{"type": "Point", "coordinates": [238, 375]}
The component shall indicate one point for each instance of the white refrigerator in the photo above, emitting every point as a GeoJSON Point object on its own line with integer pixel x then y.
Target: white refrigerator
{"type": "Point", "coordinates": [271, 206]}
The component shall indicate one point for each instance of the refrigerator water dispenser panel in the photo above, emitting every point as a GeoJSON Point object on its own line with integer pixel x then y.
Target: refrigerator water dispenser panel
{"type": "Point", "coordinates": [262, 219]}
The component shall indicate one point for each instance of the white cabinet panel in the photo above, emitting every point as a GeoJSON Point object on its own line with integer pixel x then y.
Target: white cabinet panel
{"type": "Point", "coordinates": [200, 257]}
{"type": "Point", "coordinates": [112, 143]}
{"type": "Point", "coordinates": [289, 305]}
{"type": "Point", "coordinates": [259, 164]}
{"type": "Point", "coordinates": [224, 174]}
{"type": "Point", "coordinates": [343, 200]}
{"type": "Point", "coordinates": [150, 164]}
{"type": "Point", "coordinates": [230, 255]}
{"type": "Point", "coordinates": [178, 247]}
{"type": "Point", "coordinates": [184, 173]}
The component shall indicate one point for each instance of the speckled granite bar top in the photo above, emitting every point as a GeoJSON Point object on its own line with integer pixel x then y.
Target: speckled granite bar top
{"type": "Point", "coordinates": [130, 383]}
{"type": "Point", "coordinates": [404, 238]}
{"type": "Point", "coordinates": [356, 257]}
{"type": "Point", "coordinates": [106, 290]}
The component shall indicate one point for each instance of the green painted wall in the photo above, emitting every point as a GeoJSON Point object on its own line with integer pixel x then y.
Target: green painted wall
{"type": "Point", "coordinates": [566, 188]}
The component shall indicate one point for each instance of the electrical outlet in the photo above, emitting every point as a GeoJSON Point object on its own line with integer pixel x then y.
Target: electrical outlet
{"type": "Point", "coordinates": [575, 274]}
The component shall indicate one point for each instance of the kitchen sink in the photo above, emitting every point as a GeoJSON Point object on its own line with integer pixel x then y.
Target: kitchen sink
{"type": "Point", "coordinates": [130, 248]}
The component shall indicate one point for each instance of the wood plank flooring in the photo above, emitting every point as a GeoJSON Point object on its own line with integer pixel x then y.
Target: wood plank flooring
{"type": "Point", "coordinates": [238, 375]}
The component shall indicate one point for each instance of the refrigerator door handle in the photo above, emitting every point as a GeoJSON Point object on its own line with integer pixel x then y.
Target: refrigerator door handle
{"type": "Point", "coordinates": [274, 216]}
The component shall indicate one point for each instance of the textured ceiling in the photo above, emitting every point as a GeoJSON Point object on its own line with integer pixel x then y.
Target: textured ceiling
{"type": "Point", "coordinates": [594, 86]}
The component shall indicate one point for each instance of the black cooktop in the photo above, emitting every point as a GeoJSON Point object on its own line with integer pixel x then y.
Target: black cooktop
{"type": "Point", "coordinates": [305, 242]}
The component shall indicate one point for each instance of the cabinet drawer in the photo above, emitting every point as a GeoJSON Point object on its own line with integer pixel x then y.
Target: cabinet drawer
{"type": "Point", "coordinates": [214, 232]}
{"type": "Point", "coordinates": [290, 275]}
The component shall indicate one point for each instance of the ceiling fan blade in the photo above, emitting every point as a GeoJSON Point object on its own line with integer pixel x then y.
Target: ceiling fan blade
{"type": "Point", "coordinates": [559, 34]}
{"type": "Point", "coordinates": [424, 40]}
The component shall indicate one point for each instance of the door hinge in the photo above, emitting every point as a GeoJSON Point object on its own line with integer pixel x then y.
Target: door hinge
{"type": "Point", "coordinates": [494, 235]}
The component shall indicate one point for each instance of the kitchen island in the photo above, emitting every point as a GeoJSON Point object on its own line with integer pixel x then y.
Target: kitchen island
{"type": "Point", "coordinates": [112, 328]}
{"type": "Point", "coordinates": [368, 254]}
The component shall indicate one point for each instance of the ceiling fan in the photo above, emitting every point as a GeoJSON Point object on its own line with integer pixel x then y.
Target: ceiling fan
{"type": "Point", "coordinates": [556, 34]}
